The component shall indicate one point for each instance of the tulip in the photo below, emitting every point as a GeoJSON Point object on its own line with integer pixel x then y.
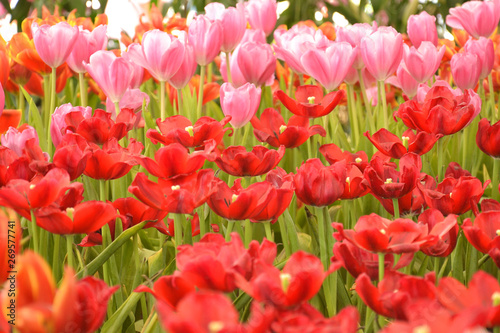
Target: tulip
{"type": "Point", "coordinates": [444, 229]}
{"type": "Point", "coordinates": [99, 128]}
{"type": "Point", "coordinates": [239, 103]}
{"type": "Point", "coordinates": [71, 155]}
{"type": "Point", "coordinates": [187, 68]}
{"type": "Point", "coordinates": [16, 139]}
{"type": "Point", "coordinates": [478, 18]}
{"type": "Point", "coordinates": [382, 52]}
{"type": "Point", "coordinates": [2, 100]}
{"type": "Point", "coordinates": [330, 66]}
{"type": "Point", "coordinates": [256, 62]}
{"type": "Point", "coordinates": [484, 50]}
{"type": "Point", "coordinates": [405, 81]}
{"type": "Point", "coordinates": [112, 74]}
{"type": "Point", "coordinates": [262, 15]}
{"type": "Point", "coordinates": [465, 68]}
{"type": "Point", "coordinates": [236, 161]}
{"type": "Point", "coordinates": [233, 23]}
{"type": "Point", "coordinates": [170, 289]}
{"type": "Point", "coordinates": [54, 43]}
{"type": "Point", "coordinates": [206, 38]}
{"type": "Point", "coordinates": [422, 63]}
{"type": "Point", "coordinates": [58, 123]}
{"type": "Point", "coordinates": [353, 34]}
{"type": "Point", "coordinates": [334, 154]}
{"type": "Point", "coordinates": [422, 27]}
{"type": "Point", "coordinates": [160, 53]}
{"type": "Point", "coordinates": [488, 138]}
{"type": "Point", "coordinates": [86, 44]}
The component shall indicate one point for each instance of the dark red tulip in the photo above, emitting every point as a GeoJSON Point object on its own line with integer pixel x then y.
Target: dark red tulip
{"type": "Point", "coordinates": [488, 138]}
{"type": "Point", "coordinates": [386, 182]}
{"type": "Point", "coordinates": [174, 160]}
{"type": "Point", "coordinates": [134, 212]}
{"type": "Point", "coordinates": [333, 154]}
{"type": "Point", "coordinates": [377, 234]}
{"type": "Point", "coordinates": [396, 292]}
{"type": "Point", "coordinates": [482, 293]}
{"type": "Point", "coordinates": [84, 218]}
{"type": "Point", "coordinates": [445, 229]}
{"type": "Point", "coordinates": [298, 282]}
{"type": "Point", "coordinates": [357, 261]}
{"type": "Point", "coordinates": [169, 289]}
{"type": "Point", "coordinates": [319, 185]}
{"type": "Point", "coordinates": [179, 196]}
{"type": "Point", "coordinates": [271, 128]}
{"type": "Point", "coordinates": [112, 161]}
{"type": "Point", "coordinates": [391, 145]}
{"type": "Point", "coordinates": [484, 233]}
{"type": "Point", "coordinates": [7, 159]}
{"type": "Point", "coordinates": [238, 203]}
{"type": "Point", "coordinates": [489, 205]}
{"type": "Point", "coordinates": [455, 170]}
{"type": "Point", "coordinates": [309, 101]}
{"type": "Point", "coordinates": [236, 161]}
{"type": "Point", "coordinates": [454, 196]}
{"type": "Point", "coordinates": [72, 154]}
{"type": "Point", "coordinates": [442, 112]}
{"type": "Point", "coordinates": [180, 129]}
{"type": "Point", "coordinates": [279, 198]}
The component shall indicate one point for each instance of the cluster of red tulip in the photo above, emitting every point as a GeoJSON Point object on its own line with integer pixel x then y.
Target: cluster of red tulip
{"type": "Point", "coordinates": [137, 213]}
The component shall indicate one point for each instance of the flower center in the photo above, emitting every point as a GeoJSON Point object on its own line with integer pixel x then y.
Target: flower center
{"type": "Point", "coordinates": [190, 130]}
{"type": "Point", "coordinates": [285, 281]}
{"type": "Point", "coordinates": [382, 231]}
{"type": "Point", "coordinates": [498, 232]}
{"type": "Point", "coordinates": [495, 298]}
{"type": "Point", "coordinates": [422, 329]}
{"type": "Point", "coordinates": [215, 326]}
{"type": "Point", "coordinates": [348, 180]}
{"type": "Point", "coordinates": [358, 160]}
{"type": "Point", "coordinates": [32, 186]}
{"type": "Point", "coordinates": [234, 197]}
{"type": "Point", "coordinates": [406, 141]}
{"type": "Point", "coordinates": [388, 181]}
{"type": "Point", "coordinates": [311, 99]}
{"type": "Point", "coordinates": [175, 187]}
{"type": "Point", "coordinates": [70, 211]}
{"type": "Point", "coordinates": [282, 128]}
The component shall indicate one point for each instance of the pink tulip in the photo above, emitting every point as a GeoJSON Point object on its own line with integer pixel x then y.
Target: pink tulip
{"type": "Point", "coordinates": [331, 66]}
{"type": "Point", "coordinates": [233, 22]}
{"type": "Point", "coordinates": [483, 48]}
{"type": "Point", "coordinates": [353, 34]}
{"type": "Point", "coordinates": [422, 63]}
{"type": "Point", "coordinates": [54, 43]}
{"type": "Point", "coordinates": [262, 15]}
{"type": "Point", "coordinates": [292, 44]}
{"type": "Point", "coordinates": [206, 37]}
{"type": "Point", "coordinates": [404, 81]}
{"type": "Point", "coordinates": [478, 18]}
{"type": "Point", "coordinates": [257, 62]}
{"type": "Point", "coordinates": [422, 27]}
{"type": "Point", "coordinates": [112, 74]}
{"type": "Point", "coordinates": [188, 66]}
{"type": "Point", "coordinates": [137, 72]}
{"type": "Point", "coordinates": [382, 52]}
{"type": "Point", "coordinates": [239, 103]}
{"type": "Point", "coordinates": [160, 53]}
{"type": "Point", "coordinates": [58, 122]}
{"type": "Point", "coordinates": [16, 140]}
{"type": "Point", "coordinates": [465, 69]}
{"type": "Point", "coordinates": [2, 99]}
{"type": "Point", "coordinates": [87, 44]}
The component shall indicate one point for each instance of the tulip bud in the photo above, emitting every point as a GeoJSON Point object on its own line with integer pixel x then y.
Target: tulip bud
{"type": "Point", "coordinates": [422, 27]}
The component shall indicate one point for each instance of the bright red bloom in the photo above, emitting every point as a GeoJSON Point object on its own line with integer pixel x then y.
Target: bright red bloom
{"type": "Point", "coordinates": [298, 282]}
{"type": "Point", "coordinates": [333, 154]}
{"type": "Point", "coordinates": [13, 167]}
{"type": "Point", "coordinates": [386, 182]}
{"type": "Point", "coordinates": [309, 101]}
{"type": "Point", "coordinates": [238, 203]}
{"type": "Point", "coordinates": [180, 129]}
{"type": "Point", "coordinates": [112, 161]}
{"type": "Point", "coordinates": [484, 233]}
{"type": "Point", "coordinates": [396, 292]}
{"type": "Point", "coordinates": [174, 161]}
{"type": "Point", "coordinates": [357, 261]}
{"type": "Point", "coordinates": [454, 196]}
{"type": "Point", "coordinates": [445, 229]}
{"type": "Point", "coordinates": [391, 145]}
{"type": "Point", "coordinates": [488, 138]}
{"type": "Point", "coordinates": [84, 218]}
{"type": "Point", "coordinates": [319, 185]}
{"type": "Point", "coordinates": [482, 293]}
{"type": "Point", "coordinates": [169, 289]}
{"type": "Point", "coordinates": [213, 263]}
{"type": "Point", "coordinates": [377, 234]}
{"type": "Point", "coordinates": [354, 184]}
{"type": "Point", "coordinates": [271, 128]}
{"type": "Point", "coordinates": [454, 170]}
{"type": "Point", "coordinates": [179, 196]}
{"type": "Point", "coordinates": [442, 112]}
{"type": "Point", "coordinates": [236, 161]}
{"type": "Point", "coordinates": [199, 312]}
{"type": "Point", "coordinates": [9, 117]}
{"type": "Point", "coordinates": [71, 155]}
{"type": "Point", "coordinates": [279, 198]}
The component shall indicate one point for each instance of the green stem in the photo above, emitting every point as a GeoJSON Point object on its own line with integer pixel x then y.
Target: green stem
{"type": "Point", "coordinates": [495, 178]}
{"type": "Point", "coordinates": [52, 91]}
{"type": "Point", "coordinates": [353, 116]}
{"type": "Point", "coordinates": [325, 258]}
{"type": "Point", "coordinates": [395, 204]}
{"type": "Point", "coordinates": [69, 250]}
{"type": "Point", "coordinates": [269, 232]}
{"type": "Point", "coordinates": [492, 99]}
{"type": "Point", "coordinates": [230, 226]}
{"type": "Point", "coordinates": [381, 266]}
{"type": "Point", "coordinates": [177, 231]}
{"type": "Point", "coordinates": [228, 68]}
{"type": "Point", "coordinates": [383, 100]}
{"type": "Point", "coordinates": [368, 105]}
{"type": "Point", "coordinates": [162, 100]}
{"type": "Point", "coordinates": [248, 232]}
{"type": "Point", "coordinates": [200, 92]}
{"type": "Point", "coordinates": [179, 101]}
{"type": "Point", "coordinates": [20, 105]}
{"type": "Point", "coordinates": [36, 233]}
{"type": "Point", "coordinates": [56, 261]}
{"type": "Point", "coordinates": [292, 232]}
{"type": "Point", "coordinates": [117, 108]}
{"type": "Point", "coordinates": [284, 236]}
{"type": "Point", "coordinates": [246, 130]}
{"type": "Point", "coordinates": [83, 89]}
{"type": "Point", "coordinates": [46, 97]}
{"type": "Point", "coordinates": [440, 152]}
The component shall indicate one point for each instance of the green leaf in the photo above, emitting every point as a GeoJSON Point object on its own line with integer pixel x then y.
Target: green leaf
{"type": "Point", "coordinates": [35, 120]}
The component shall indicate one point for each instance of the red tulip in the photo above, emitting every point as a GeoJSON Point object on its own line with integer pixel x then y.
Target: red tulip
{"type": "Point", "coordinates": [391, 145]}
{"type": "Point", "coordinates": [483, 233]}
{"type": "Point", "coordinates": [99, 128]}
{"type": "Point", "coordinates": [310, 101]}
{"type": "Point", "coordinates": [271, 128]}
{"type": "Point", "coordinates": [180, 129]}
{"type": "Point", "coordinates": [385, 182]}
{"type": "Point", "coordinates": [445, 229]}
{"type": "Point", "coordinates": [354, 186]}
{"type": "Point", "coordinates": [333, 154]}
{"type": "Point", "coordinates": [377, 234]}
{"type": "Point", "coordinates": [318, 185]}
{"type": "Point", "coordinates": [72, 154]}
{"type": "Point", "coordinates": [236, 161]}
{"type": "Point", "coordinates": [237, 203]}
{"type": "Point", "coordinates": [170, 289]}
{"type": "Point", "coordinates": [454, 196]}
{"type": "Point", "coordinates": [488, 138]}
{"type": "Point", "coordinates": [454, 170]}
